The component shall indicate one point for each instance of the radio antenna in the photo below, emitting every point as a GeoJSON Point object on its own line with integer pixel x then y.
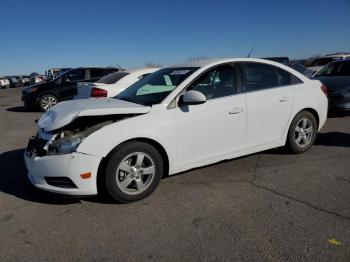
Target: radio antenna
{"type": "Point", "coordinates": [251, 51]}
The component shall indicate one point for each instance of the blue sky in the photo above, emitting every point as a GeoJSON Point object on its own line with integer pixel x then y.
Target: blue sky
{"type": "Point", "coordinates": [36, 35]}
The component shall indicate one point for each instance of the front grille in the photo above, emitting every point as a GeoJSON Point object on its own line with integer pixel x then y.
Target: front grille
{"type": "Point", "coordinates": [63, 182]}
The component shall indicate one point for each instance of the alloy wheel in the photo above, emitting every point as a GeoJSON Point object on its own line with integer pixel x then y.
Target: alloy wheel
{"type": "Point", "coordinates": [48, 102]}
{"type": "Point", "coordinates": [135, 173]}
{"type": "Point", "coordinates": [303, 132]}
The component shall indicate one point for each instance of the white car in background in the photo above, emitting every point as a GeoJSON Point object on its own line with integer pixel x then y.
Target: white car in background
{"type": "Point", "coordinates": [4, 83]}
{"type": "Point", "coordinates": [112, 84]}
{"type": "Point", "coordinates": [178, 118]}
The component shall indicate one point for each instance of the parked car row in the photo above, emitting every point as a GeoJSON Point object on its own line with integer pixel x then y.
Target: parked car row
{"type": "Point", "coordinates": [14, 81]}
{"type": "Point", "coordinates": [95, 82]}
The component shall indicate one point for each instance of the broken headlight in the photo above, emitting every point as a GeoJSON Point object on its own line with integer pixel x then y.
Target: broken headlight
{"type": "Point", "coordinates": [65, 145]}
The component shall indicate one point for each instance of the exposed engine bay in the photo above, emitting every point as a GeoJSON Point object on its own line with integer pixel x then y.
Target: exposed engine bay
{"type": "Point", "coordinates": [66, 140]}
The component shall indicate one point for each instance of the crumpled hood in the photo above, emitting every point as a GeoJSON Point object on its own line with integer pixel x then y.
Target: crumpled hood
{"type": "Point", "coordinates": [65, 112]}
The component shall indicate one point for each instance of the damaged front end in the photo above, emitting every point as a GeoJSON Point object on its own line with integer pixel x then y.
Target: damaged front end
{"type": "Point", "coordinates": [66, 140]}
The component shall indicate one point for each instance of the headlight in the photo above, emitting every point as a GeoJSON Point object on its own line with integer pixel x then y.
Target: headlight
{"type": "Point", "coordinates": [66, 145]}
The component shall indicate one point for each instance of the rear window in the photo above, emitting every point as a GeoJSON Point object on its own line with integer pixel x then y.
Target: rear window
{"type": "Point", "coordinates": [112, 78]}
{"type": "Point", "coordinates": [97, 73]}
{"type": "Point", "coordinates": [323, 61]}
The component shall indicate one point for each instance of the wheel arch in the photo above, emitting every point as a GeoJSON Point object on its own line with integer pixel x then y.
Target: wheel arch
{"type": "Point", "coordinates": [307, 109]}
{"type": "Point", "coordinates": [102, 166]}
{"type": "Point", "coordinates": [46, 93]}
{"type": "Point", "coordinates": [313, 112]}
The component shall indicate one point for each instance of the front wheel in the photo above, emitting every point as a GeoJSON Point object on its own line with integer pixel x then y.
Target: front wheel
{"type": "Point", "coordinates": [302, 132]}
{"type": "Point", "coordinates": [47, 102]}
{"type": "Point", "coordinates": [133, 171]}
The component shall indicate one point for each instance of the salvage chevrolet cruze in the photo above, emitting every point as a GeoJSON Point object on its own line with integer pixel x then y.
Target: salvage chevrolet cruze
{"type": "Point", "coordinates": [178, 118]}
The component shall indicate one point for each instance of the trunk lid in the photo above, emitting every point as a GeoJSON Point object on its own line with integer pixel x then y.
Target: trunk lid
{"type": "Point", "coordinates": [84, 89]}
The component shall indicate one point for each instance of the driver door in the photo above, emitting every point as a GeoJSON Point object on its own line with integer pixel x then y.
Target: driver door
{"type": "Point", "coordinates": [218, 126]}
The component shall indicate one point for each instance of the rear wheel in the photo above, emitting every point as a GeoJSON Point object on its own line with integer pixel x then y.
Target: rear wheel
{"type": "Point", "coordinates": [133, 172]}
{"type": "Point", "coordinates": [47, 102]}
{"type": "Point", "coordinates": [302, 132]}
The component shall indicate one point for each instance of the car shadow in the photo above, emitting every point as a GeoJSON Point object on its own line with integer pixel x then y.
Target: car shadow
{"type": "Point", "coordinates": [333, 139]}
{"type": "Point", "coordinates": [14, 181]}
{"type": "Point", "coordinates": [337, 114]}
{"type": "Point", "coordinates": [21, 109]}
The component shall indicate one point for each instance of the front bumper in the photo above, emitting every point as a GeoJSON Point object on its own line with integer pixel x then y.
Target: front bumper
{"type": "Point", "coordinates": [4, 86]}
{"type": "Point", "coordinates": [67, 166]}
{"type": "Point", "coordinates": [28, 100]}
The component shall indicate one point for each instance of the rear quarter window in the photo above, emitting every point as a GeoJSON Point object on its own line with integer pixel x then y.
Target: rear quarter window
{"type": "Point", "coordinates": [261, 76]}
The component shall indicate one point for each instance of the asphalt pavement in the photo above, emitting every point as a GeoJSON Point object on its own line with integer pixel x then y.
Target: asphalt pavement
{"type": "Point", "coordinates": [270, 206]}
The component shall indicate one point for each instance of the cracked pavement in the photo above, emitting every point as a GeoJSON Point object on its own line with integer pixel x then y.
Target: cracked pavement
{"type": "Point", "coordinates": [270, 206]}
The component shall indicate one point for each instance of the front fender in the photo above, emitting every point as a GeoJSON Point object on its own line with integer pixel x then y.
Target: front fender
{"type": "Point", "coordinates": [154, 126]}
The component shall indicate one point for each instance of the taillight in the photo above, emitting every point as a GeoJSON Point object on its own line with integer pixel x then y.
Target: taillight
{"type": "Point", "coordinates": [324, 90]}
{"type": "Point", "coordinates": [98, 92]}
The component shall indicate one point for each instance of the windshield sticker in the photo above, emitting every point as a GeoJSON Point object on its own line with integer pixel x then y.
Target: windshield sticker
{"type": "Point", "coordinates": [180, 72]}
{"type": "Point", "coordinates": [168, 80]}
{"type": "Point", "coordinates": [149, 89]}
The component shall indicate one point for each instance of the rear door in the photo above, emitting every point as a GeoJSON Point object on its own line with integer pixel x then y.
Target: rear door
{"type": "Point", "coordinates": [270, 97]}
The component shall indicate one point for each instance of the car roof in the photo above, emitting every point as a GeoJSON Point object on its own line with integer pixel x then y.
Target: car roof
{"type": "Point", "coordinates": [337, 55]}
{"type": "Point", "coordinates": [95, 67]}
{"type": "Point", "coordinates": [143, 70]}
{"type": "Point", "coordinates": [340, 61]}
{"type": "Point", "coordinates": [211, 62]}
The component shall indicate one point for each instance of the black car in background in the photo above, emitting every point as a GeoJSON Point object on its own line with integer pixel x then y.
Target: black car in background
{"type": "Point", "coordinates": [336, 76]}
{"type": "Point", "coordinates": [302, 69]}
{"type": "Point", "coordinates": [14, 81]}
{"type": "Point", "coordinates": [45, 95]}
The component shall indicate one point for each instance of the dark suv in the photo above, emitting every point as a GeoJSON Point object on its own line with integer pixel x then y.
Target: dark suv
{"type": "Point", "coordinates": [45, 95]}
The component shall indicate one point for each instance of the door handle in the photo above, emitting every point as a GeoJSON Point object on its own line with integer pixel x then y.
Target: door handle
{"type": "Point", "coordinates": [236, 110]}
{"type": "Point", "coordinates": [284, 98]}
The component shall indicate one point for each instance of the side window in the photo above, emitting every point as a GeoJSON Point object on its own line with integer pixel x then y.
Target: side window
{"type": "Point", "coordinates": [344, 69]}
{"type": "Point", "coordinates": [76, 75]}
{"type": "Point", "coordinates": [219, 82]}
{"type": "Point", "coordinates": [262, 76]}
{"type": "Point", "coordinates": [97, 73]}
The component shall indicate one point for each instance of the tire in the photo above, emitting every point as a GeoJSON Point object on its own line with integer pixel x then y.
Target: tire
{"type": "Point", "coordinates": [47, 101]}
{"type": "Point", "coordinates": [302, 132]}
{"type": "Point", "coordinates": [129, 175]}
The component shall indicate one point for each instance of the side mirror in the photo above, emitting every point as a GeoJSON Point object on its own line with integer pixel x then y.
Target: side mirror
{"type": "Point", "coordinates": [193, 97]}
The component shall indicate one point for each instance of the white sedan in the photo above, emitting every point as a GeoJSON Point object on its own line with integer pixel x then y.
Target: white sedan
{"type": "Point", "coordinates": [178, 118]}
{"type": "Point", "coordinates": [112, 84]}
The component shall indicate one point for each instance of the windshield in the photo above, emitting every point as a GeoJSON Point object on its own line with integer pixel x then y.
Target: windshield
{"type": "Point", "coordinates": [112, 78]}
{"type": "Point", "coordinates": [153, 88]}
{"type": "Point", "coordinates": [335, 69]}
